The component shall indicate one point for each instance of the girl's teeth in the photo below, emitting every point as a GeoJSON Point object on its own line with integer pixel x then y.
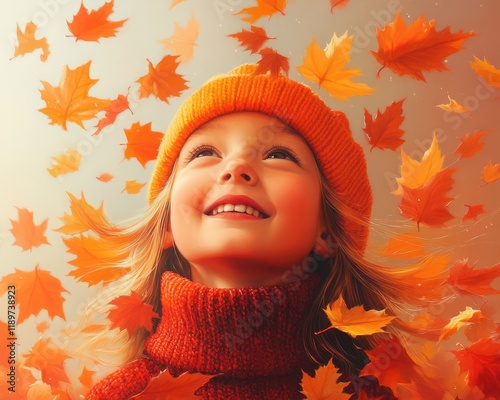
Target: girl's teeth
{"type": "Point", "coordinates": [228, 207]}
{"type": "Point", "coordinates": [241, 208]}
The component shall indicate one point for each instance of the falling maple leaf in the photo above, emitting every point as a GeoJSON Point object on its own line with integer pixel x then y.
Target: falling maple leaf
{"type": "Point", "coordinates": [133, 187]}
{"type": "Point", "coordinates": [326, 67]}
{"type": "Point", "coordinates": [338, 4]}
{"type": "Point", "coordinates": [473, 211]}
{"type": "Point", "coordinates": [453, 106]}
{"type": "Point", "coordinates": [271, 61]}
{"type": "Point", "coordinates": [86, 377]}
{"type": "Point", "coordinates": [175, 2]}
{"type": "Point", "coordinates": [49, 360]}
{"type": "Point", "coordinates": [116, 107]}
{"type": "Point", "coordinates": [26, 233]}
{"type": "Point", "coordinates": [142, 143]}
{"type": "Point", "coordinates": [130, 313]}
{"type": "Point", "coordinates": [65, 163]}
{"type": "Point", "coordinates": [253, 39]}
{"type": "Point", "coordinates": [429, 275]}
{"type": "Point", "coordinates": [415, 174]}
{"type": "Point", "coordinates": [26, 42]}
{"type": "Point", "coordinates": [166, 387]}
{"type": "Point", "coordinates": [404, 246]}
{"type": "Point", "coordinates": [491, 173]}
{"type": "Point", "coordinates": [411, 50]}
{"type": "Point", "coordinates": [105, 177]}
{"type": "Point", "coordinates": [183, 40]}
{"type": "Point", "coordinates": [429, 204]}
{"type": "Point", "coordinates": [78, 221]}
{"type": "Point", "coordinates": [162, 81]}
{"type": "Point", "coordinates": [324, 385]}
{"type": "Point", "coordinates": [384, 131]}
{"type": "Point", "coordinates": [355, 321]}
{"type": "Point", "coordinates": [94, 25]}
{"type": "Point", "coordinates": [462, 319]}
{"type": "Point", "coordinates": [70, 100]}
{"type": "Point", "coordinates": [481, 361]}
{"type": "Point", "coordinates": [487, 71]}
{"type": "Point", "coordinates": [37, 290]}
{"type": "Point", "coordinates": [471, 144]}
{"type": "Point", "coordinates": [95, 263]}
{"type": "Point", "coordinates": [468, 280]}
{"type": "Point", "coordinates": [264, 8]}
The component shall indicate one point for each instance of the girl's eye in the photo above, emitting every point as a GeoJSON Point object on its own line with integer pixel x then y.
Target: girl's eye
{"type": "Point", "coordinates": [282, 153]}
{"type": "Point", "coordinates": [202, 151]}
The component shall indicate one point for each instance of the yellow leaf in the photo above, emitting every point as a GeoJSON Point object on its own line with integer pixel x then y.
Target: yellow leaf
{"type": "Point", "coordinates": [491, 173]}
{"type": "Point", "coordinates": [65, 163]}
{"type": "Point", "coordinates": [327, 67]}
{"type": "Point", "coordinates": [183, 40]}
{"type": "Point", "coordinates": [463, 318]}
{"type": "Point", "coordinates": [487, 71]}
{"type": "Point", "coordinates": [453, 106]}
{"type": "Point", "coordinates": [415, 174]}
{"type": "Point", "coordinates": [324, 385]}
{"type": "Point", "coordinates": [355, 321]}
{"type": "Point", "coordinates": [133, 187]}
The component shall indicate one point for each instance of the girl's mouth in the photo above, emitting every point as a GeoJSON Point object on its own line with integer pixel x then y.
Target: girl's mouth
{"type": "Point", "coordinates": [237, 208]}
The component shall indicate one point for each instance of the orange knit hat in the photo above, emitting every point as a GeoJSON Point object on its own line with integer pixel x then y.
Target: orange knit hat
{"type": "Point", "coordinates": [327, 132]}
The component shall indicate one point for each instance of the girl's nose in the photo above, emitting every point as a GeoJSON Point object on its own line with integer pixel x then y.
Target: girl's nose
{"type": "Point", "coordinates": [238, 171]}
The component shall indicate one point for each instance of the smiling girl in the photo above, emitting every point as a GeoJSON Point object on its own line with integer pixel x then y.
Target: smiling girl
{"type": "Point", "coordinates": [258, 219]}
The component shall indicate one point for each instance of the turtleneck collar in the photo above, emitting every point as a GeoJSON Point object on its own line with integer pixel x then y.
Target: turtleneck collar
{"type": "Point", "coordinates": [240, 332]}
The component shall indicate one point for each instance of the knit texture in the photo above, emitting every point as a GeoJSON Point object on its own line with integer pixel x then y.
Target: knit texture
{"type": "Point", "coordinates": [327, 132]}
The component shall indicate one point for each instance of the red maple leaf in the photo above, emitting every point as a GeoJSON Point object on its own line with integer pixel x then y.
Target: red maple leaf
{"type": "Point", "coordinates": [481, 361]}
{"type": "Point", "coordinates": [117, 106]}
{"type": "Point", "coordinates": [468, 280]}
{"type": "Point", "coordinates": [473, 211]}
{"type": "Point", "coordinates": [142, 143]}
{"type": "Point", "coordinates": [253, 39]}
{"type": "Point", "coordinates": [471, 144]}
{"type": "Point", "coordinates": [411, 50]}
{"type": "Point", "coordinates": [428, 204]}
{"type": "Point", "coordinates": [384, 131]}
{"type": "Point", "coordinates": [131, 313]}
{"type": "Point", "coordinates": [271, 61]}
{"type": "Point", "coordinates": [91, 26]}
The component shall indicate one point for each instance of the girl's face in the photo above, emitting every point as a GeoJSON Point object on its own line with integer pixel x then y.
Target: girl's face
{"type": "Point", "coordinates": [245, 202]}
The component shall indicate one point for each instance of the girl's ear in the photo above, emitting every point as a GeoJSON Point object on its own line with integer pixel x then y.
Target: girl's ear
{"type": "Point", "coordinates": [324, 245]}
{"type": "Point", "coordinates": [168, 241]}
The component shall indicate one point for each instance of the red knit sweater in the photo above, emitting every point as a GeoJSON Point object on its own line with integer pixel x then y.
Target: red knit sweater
{"type": "Point", "coordinates": [250, 337]}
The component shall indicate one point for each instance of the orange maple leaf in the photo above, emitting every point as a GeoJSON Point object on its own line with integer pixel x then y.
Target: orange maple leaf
{"type": "Point", "coordinates": [131, 313]}
{"type": "Point", "coordinates": [95, 262]}
{"type": "Point", "coordinates": [384, 131]}
{"type": "Point", "coordinates": [404, 246]}
{"type": "Point", "coordinates": [26, 42]}
{"type": "Point", "coordinates": [487, 71]}
{"type": "Point", "coordinates": [462, 319]}
{"type": "Point", "coordinates": [468, 280]}
{"type": "Point", "coordinates": [453, 106]}
{"type": "Point", "coordinates": [183, 40]}
{"type": "Point", "coordinates": [324, 385]}
{"type": "Point", "coordinates": [491, 173]}
{"type": "Point", "coordinates": [65, 163]}
{"type": "Point", "coordinates": [116, 107]}
{"type": "Point", "coordinates": [86, 376]}
{"type": "Point", "coordinates": [142, 143]}
{"type": "Point", "coordinates": [355, 321]}
{"type": "Point", "coordinates": [26, 233]}
{"type": "Point", "coordinates": [70, 100]}
{"type": "Point", "coordinates": [264, 8]}
{"type": "Point", "coordinates": [133, 187]}
{"type": "Point", "coordinates": [271, 61]}
{"type": "Point", "coordinates": [471, 144]}
{"type": "Point", "coordinates": [175, 2]}
{"type": "Point", "coordinates": [253, 39]}
{"type": "Point", "coordinates": [411, 50]}
{"type": "Point", "coordinates": [162, 81]}
{"type": "Point", "coordinates": [473, 211]}
{"type": "Point", "coordinates": [105, 177]}
{"type": "Point", "coordinates": [429, 204]}
{"type": "Point", "coordinates": [37, 290]}
{"type": "Point", "coordinates": [94, 25]}
{"type": "Point", "coordinates": [77, 221]}
{"type": "Point", "coordinates": [481, 361]}
{"type": "Point", "coordinates": [327, 68]}
{"type": "Point", "coordinates": [338, 4]}
{"type": "Point", "coordinates": [49, 360]}
{"type": "Point", "coordinates": [166, 387]}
